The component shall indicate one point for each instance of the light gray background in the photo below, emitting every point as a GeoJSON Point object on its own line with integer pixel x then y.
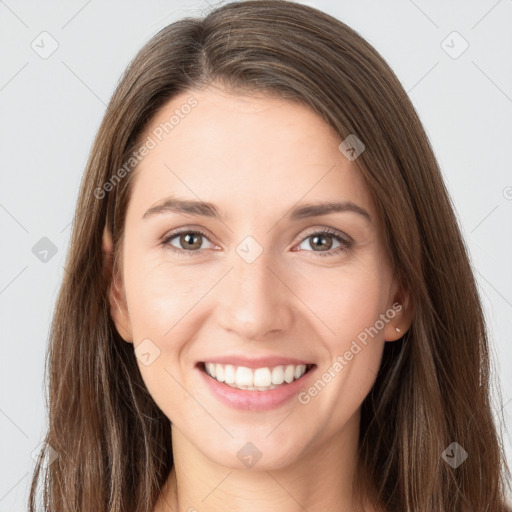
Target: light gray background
{"type": "Point", "coordinates": [51, 108]}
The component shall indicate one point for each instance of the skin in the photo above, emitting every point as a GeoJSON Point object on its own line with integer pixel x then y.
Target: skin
{"type": "Point", "coordinates": [254, 157]}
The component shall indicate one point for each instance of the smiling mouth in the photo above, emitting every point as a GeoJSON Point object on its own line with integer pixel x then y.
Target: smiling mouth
{"type": "Point", "coordinates": [255, 379]}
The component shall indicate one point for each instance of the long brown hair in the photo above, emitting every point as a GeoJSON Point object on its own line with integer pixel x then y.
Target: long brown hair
{"type": "Point", "coordinates": [113, 443]}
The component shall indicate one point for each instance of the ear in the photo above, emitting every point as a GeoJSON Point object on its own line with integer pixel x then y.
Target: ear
{"type": "Point", "coordinates": [115, 291]}
{"type": "Point", "coordinates": [401, 321]}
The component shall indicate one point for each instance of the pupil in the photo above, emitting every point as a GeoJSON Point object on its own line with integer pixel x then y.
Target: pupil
{"type": "Point", "coordinates": [189, 239]}
{"type": "Point", "coordinates": [317, 238]}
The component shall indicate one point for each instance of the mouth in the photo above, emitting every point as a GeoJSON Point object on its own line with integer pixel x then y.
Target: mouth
{"type": "Point", "coordinates": [255, 379]}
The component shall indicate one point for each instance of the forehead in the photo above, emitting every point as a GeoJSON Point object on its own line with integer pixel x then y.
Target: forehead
{"type": "Point", "coordinates": [245, 153]}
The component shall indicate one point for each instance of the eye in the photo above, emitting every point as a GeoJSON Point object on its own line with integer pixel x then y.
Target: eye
{"type": "Point", "coordinates": [190, 242]}
{"type": "Point", "coordinates": [323, 240]}
{"type": "Point", "coordinates": [190, 239]}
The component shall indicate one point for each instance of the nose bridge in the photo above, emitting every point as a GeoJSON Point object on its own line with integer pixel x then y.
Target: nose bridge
{"type": "Point", "coordinates": [255, 302]}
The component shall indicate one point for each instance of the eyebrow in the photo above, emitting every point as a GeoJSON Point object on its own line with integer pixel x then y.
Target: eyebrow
{"type": "Point", "coordinates": [205, 209]}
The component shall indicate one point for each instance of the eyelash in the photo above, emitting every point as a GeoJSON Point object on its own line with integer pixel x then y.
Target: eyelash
{"type": "Point", "coordinates": [346, 243]}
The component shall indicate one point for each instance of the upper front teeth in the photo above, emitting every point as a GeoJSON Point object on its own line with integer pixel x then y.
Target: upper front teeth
{"type": "Point", "coordinates": [259, 377]}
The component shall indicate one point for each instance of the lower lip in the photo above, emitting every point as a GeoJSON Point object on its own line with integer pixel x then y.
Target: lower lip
{"type": "Point", "coordinates": [255, 400]}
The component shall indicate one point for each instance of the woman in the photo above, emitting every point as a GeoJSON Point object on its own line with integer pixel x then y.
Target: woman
{"type": "Point", "coordinates": [268, 304]}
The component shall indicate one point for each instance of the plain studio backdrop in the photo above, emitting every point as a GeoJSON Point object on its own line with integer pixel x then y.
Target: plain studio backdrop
{"type": "Point", "coordinates": [60, 63]}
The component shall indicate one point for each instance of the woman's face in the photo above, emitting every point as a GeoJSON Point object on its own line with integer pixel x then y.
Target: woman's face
{"type": "Point", "coordinates": [252, 279]}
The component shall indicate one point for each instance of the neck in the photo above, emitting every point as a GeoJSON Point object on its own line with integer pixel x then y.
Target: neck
{"type": "Point", "coordinates": [324, 478]}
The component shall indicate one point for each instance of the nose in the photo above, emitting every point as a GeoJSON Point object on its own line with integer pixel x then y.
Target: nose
{"type": "Point", "coordinates": [254, 301]}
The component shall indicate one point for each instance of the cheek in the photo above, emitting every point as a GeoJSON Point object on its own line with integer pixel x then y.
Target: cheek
{"type": "Point", "coordinates": [337, 305]}
{"type": "Point", "coordinates": [153, 306]}
{"type": "Point", "coordinates": [161, 295]}
{"type": "Point", "coordinates": [349, 303]}
{"type": "Point", "coordinates": [346, 300]}
{"type": "Point", "coordinates": [350, 309]}
{"type": "Point", "coordinates": [161, 303]}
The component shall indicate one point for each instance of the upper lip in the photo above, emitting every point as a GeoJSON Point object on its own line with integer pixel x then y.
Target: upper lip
{"type": "Point", "coordinates": [256, 362]}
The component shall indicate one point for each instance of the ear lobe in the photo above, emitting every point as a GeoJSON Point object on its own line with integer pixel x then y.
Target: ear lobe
{"type": "Point", "coordinates": [402, 320]}
{"type": "Point", "coordinates": [115, 291]}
